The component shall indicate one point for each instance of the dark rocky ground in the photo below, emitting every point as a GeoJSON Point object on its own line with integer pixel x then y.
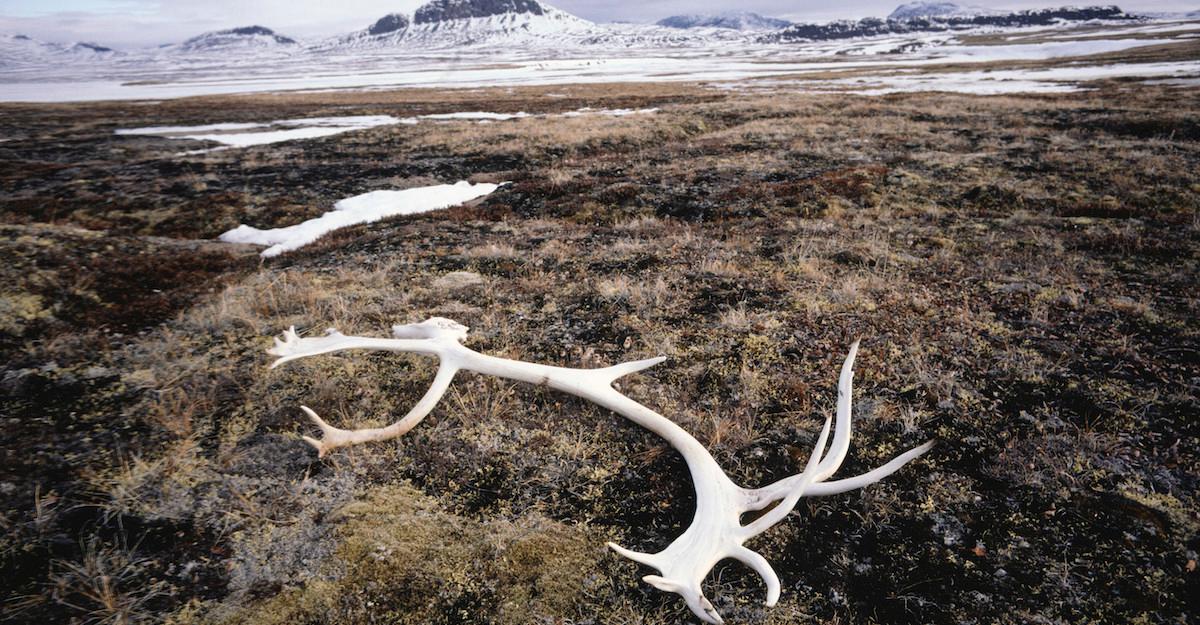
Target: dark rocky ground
{"type": "Point", "coordinates": [1022, 270]}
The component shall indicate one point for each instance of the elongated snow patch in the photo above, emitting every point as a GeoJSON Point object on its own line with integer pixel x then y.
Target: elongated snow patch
{"type": "Point", "coordinates": [359, 209]}
{"type": "Point", "coordinates": [241, 135]}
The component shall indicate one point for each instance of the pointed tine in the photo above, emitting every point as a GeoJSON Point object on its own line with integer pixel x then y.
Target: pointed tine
{"type": "Point", "coordinates": [636, 556]}
{"type": "Point", "coordinates": [626, 368]}
{"type": "Point", "coordinates": [848, 365]}
{"type": "Point", "coordinates": [317, 444]}
{"type": "Point", "coordinates": [325, 427]}
{"type": "Point", "coordinates": [841, 438]}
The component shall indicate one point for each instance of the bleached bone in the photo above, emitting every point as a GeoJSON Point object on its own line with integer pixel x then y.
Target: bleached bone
{"type": "Point", "coordinates": [716, 531]}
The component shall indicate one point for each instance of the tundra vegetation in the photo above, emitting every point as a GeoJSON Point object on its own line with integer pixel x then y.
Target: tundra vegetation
{"type": "Point", "coordinates": [1022, 272]}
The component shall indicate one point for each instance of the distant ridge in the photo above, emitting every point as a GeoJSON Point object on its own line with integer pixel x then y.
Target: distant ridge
{"type": "Point", "coordinates": [243, 37]}
{"type": "Point", "coordinates": [914, 10]}
{"type": "Point", "coordinates": [23, 50]}
{"type": "Point", "coordinates": [735, 20]}
{"type": "Point", "coordinates": [873, 26]}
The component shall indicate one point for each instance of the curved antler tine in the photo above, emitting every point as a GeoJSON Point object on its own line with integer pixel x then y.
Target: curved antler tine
{"type": "Point", "coordinates": [841, 438]}
{"type": "Point", "coordinates": [332, 438]}
{"type": "Point", "coordinates": [649, 559]}
{"type": "Point", "coordinates": [760, 565]}
{"type": "Point", "coordinates": [870, 477]}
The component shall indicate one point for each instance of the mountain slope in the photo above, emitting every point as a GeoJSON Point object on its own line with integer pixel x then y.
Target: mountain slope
{"type": "Point", "coordinates": [246, 37]}
{"type": "Point", "coordinates": [21, 50]}
{"type": "Point", "coordinates": [456, 23]}
{"type": "Point", "coordinates": [914, 10]}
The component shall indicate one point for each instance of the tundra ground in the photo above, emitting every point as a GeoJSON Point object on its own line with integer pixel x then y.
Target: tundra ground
{"type": "Point", "coordinates": [1023, 272]}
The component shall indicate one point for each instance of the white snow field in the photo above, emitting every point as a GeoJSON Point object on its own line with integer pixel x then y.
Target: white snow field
{"type": "Point", "coordinates": [1000, 81]}
{"type": "Point", "coordinates": [359, 209]}
{"type": "Point", "coordinates": [566, 54]}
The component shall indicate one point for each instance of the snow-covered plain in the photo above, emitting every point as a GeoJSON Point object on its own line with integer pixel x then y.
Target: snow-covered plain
{"type": "Point", "coordinates": [359, 209]}
{"type": "Point", "coordinates": [997, 82]}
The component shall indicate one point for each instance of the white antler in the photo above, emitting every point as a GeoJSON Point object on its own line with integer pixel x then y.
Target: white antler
{"type": "Point", "coordinates": [716, 531]}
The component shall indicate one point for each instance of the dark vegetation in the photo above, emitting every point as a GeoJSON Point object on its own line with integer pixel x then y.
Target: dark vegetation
{"type": "Point", "coordinates": [1023, 272]}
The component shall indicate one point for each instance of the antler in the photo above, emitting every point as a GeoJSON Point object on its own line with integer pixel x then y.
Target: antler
{"type": "Point", "coordinates": [716, 531]}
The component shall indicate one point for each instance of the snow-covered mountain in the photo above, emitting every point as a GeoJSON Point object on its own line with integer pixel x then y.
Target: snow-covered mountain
{"type": "Point", "coordinates": [236, 39]}
{"type": "Point", "coordinates": [523, 28]}
{"type": "Point", "coordinates": [913, 10]}
{"type": "Point", "coordinates": [736, 20]}
{"type": "Point", "coordinates": [454, 23]}
{"type": "Point", "coordinates": [956, 18]}
{"type": "Point", "coordinates": [20, 50]}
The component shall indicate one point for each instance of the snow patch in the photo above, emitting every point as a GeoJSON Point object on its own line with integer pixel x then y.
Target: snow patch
{"type": "Point", "coordinates": [277, 131]}
{"type": "Point", "coordinates": [359, 209]}
{"type": "Point", "coordinates": [158, 131]}
{"type": "Point", "coordinates": [316, 127]}
{"type": "Point", "coordinates": [477, 116]}
{"type": "Point", "coordinates": [609, 112]}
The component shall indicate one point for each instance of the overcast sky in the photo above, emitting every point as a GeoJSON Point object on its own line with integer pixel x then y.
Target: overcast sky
{"type": "Point", "coordinates": [135, 23]}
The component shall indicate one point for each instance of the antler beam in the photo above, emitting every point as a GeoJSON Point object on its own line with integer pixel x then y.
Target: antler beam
{"type": "Point", "coordinates": [716, 532]}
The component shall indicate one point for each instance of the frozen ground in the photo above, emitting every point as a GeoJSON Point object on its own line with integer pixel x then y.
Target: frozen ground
{"type": "Point", "coordinates": [723, 61]}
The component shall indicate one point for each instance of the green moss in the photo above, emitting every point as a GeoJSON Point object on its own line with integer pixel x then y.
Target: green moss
{"type": "Point", "coordinates": [403, 559]}
{"type": "Point", "coordinates": [18, 310]}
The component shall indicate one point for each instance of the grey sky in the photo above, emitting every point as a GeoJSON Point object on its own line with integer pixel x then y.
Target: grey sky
{"type": "Point", "coordinates": [137, 23]}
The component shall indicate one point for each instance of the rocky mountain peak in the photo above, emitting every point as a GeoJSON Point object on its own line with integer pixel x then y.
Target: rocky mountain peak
{"type": "Point", "coordinates": [389, 23]}
{"type": "Point", "coordinates": [444, 10]}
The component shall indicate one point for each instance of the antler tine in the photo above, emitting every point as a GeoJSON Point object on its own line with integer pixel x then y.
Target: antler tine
{"type": "Point", "coordinates": [760, 565]}
{"type": "Point", "coordinates": [332, 438]}
{"type": "Point", "coordinates": [841, 438]}
{"type": "Point", "coordinates": [649, 559]}
{"type": "Point", "coordinates": [835, 487]}
{"type": "Point", "coordinates": [616, 372]}
{"type": "Point", "coordinates": [435, 336]}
